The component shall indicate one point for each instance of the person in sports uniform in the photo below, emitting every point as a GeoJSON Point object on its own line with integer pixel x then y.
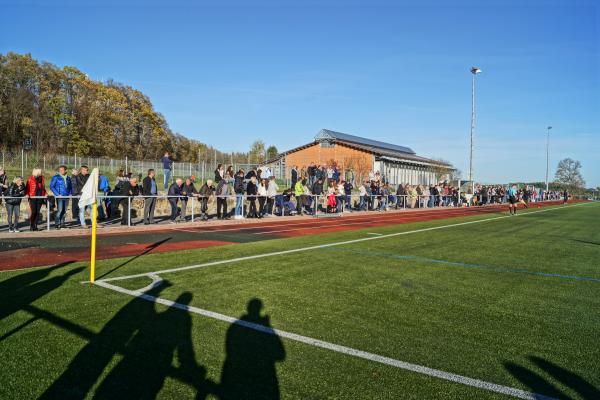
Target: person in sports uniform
{"type": "Point", "coordinates": [512, 200]}
{"type": "Point", "coordinates": [565, 197]}
{"type": "Point", "coordinates": [526, 196]}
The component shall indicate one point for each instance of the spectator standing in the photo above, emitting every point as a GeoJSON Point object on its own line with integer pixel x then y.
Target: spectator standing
{"type": "Point", "coordinates": [348, 192]}
{"type": "Point", "coordinates": [312, 173]}
{"type": "Point", "coordinates": [149, 188]}
{"type": "Point", "coordinates": [205, 192]}
{"type": "Point", "coordinates": [3, 183]}
{"type": "Point", "coordinates": [15, 191]}
{"type": "Point", "coordinates": [262, 196]}
{"type": "Point", "coordinates": [252, 191]}
{"type": "Point", "coordinates": [78, 184]}
{"type": "Point", "coordinates": [167, 163]}
{"type": "Point", "coordinates": [219, 173]}
{"type": "Point", "coordinates": [294, 174]}
{"type": "Point", "coordinates": [61, 186]}
{"type": "Point", "coordinates": [238, 188]}
{"type": "Point", "coordinates": [222, 192]}
{"type": "Point", "coordinates": [104, 188]}
{"type": "Point", "coordinates": [188, 190]}
{"type": "Point", "coordinates": [175, 192]}
{"type": "Point", "coordinates": [272, 190]}
{"type": "Point", "coordinates": [36, 187]}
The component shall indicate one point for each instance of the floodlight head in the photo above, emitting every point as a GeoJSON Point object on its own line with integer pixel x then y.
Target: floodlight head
{"type": "Point", "coordinates": [549, 127]}
{"type": "Point", "coordinates": [475, 70]}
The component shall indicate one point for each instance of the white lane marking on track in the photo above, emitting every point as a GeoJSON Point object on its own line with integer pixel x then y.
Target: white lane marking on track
{"type": "Point", "coordinates": [420, 369]}
{"type": "Point", "coordinates": [368, 218]}
{"type": "Point", "coordinates": [277, 253]}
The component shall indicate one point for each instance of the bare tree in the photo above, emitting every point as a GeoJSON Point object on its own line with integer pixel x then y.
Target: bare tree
{"type": "Point", "coordinates": [568, 174]}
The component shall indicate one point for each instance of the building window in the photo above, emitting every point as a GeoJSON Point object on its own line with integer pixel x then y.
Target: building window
{"type": "Point", "coordinates": [327, 144]}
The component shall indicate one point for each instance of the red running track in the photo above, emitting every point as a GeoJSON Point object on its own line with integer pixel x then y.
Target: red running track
{"type": "Point", "coordinates": [146, 241]}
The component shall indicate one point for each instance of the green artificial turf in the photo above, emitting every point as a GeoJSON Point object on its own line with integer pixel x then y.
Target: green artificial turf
{"type": "Point", "coordinates": [513, 301]}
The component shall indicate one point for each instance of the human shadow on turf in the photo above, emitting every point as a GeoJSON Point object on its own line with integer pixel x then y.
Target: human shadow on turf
{"type": "Point", "coordinates": [542, 385]}
{"type": "Point", "coordinates": [147, 250]}
{"type": "Point", "coordinates": [147, 341]}
{"type": "Point", "coordinates": [19, 292]}
{"type": "Point", "coordinates": [140, 347]}
{"type": "Point", "coordinates": [252, 351]}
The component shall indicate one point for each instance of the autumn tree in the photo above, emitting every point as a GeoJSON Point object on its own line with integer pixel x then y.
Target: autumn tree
{"type": "Point", "coordinates": [63, 111]}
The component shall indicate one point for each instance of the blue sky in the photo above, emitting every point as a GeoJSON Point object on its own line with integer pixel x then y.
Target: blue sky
{"type": "Point", "coordinates": [227, 73]}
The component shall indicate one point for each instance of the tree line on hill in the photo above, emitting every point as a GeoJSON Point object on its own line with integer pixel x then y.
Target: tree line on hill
{"type": "Point", "coordinates": [63, 110]}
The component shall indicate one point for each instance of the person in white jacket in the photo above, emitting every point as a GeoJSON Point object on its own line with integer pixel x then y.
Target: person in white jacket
{"type": "Point", "coordinates": [272, 190]}
{"type": "Point", "coordinates": [262, 197]}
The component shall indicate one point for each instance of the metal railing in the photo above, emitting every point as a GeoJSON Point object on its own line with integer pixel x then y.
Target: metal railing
{"type": "Point", "coordinates": [278, 205]}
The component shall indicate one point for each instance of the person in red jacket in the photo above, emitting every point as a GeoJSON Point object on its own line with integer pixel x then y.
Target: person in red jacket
{"type": "Point", "coordinates": [36, 187]}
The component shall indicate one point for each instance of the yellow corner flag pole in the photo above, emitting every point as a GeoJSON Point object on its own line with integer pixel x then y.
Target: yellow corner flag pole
{"type": "Point", "coordinates": [93, 252]}
{"type": "Point", "coordinates": [89, 197]}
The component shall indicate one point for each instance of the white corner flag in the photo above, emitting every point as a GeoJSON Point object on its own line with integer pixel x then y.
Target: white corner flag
{"type": "Point", "coordinates": [90, 190]}
{"type": "Point", "coordinates": [89, 194]}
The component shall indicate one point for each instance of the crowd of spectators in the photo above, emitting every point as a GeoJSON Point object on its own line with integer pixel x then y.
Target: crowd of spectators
{"type": "Point", "coordinates": [252, 194]}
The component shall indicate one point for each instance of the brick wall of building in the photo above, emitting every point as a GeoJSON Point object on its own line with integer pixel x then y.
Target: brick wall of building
{"type": "Point", "coordinates": [360, 161]}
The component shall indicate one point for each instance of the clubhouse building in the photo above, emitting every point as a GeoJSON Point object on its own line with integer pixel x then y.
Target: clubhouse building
{"type": "Point", "coordinates": [360, 156]}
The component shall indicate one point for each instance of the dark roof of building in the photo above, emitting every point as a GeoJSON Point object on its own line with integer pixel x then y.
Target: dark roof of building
{"type": "Point", "coordinates": [326, 134]}
{"type": "Point", "coordinates": [387, 151]}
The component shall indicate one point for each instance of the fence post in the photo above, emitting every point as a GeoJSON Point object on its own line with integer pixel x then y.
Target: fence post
{"type": "Point", "coordinates": [192, 208]}
{"type": "Point", "coordinates": [128, 211]}
{"type": "Point", "coordinates": [47, 214]}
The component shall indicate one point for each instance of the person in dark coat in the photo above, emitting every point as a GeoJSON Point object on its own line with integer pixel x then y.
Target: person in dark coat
{"type": "Point", "coordinates": [167, 163]}
{"type": "Point", "coordinates": [149, 188]}
{"type": "Point", "coordinates": [13, 205]}
{"type": "Point", "coordinates": [204, 193]}
{"type": "Point", "coordinates": [127, 190]}
{"type": "Point", "coordinates": [78, 182]}
{"type": "Point", "coordinates": [175, 192]}
{"type": "Point", "coordinates": [219, 173]}
{"type": "Point", "coordinates": [3, 183]}
{"type": "Point", "coordinates": [252, 191]}
{"type": "Point", "coordinates": [187, 190]}
{"type": "Point", "coordinates": [238, 188]}
{"type": "Point", "coordinates": [294, 173]}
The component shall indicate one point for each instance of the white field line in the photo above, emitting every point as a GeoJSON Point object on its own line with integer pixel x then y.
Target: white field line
{"type": "Point", "coordinates": [278, 253]}
{"type": "Point", "coordinates": [420, 369]}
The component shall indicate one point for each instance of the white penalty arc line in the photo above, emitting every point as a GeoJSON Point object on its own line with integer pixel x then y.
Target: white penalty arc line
{"type": "Point", "coordinates": [322, 246]}
{"type": "Point", "coordinates": [420, 369]}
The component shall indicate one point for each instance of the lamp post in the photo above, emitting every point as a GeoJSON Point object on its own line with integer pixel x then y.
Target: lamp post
{"type": "Point", "coordinates": [474, 71]}
{"type": "Point", "coordinates": [547, 152]}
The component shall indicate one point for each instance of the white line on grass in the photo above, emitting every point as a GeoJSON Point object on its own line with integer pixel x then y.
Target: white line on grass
{"type": "Point", "coordinates": [420, 369]}
{"type": "Point", "coordinates": [322, 246]}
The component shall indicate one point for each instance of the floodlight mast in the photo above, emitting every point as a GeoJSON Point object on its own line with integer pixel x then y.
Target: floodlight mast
{"type": "Point", "coordinates": [474, 71]}
{"type": "Point", "coordinates": [547, 153]}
